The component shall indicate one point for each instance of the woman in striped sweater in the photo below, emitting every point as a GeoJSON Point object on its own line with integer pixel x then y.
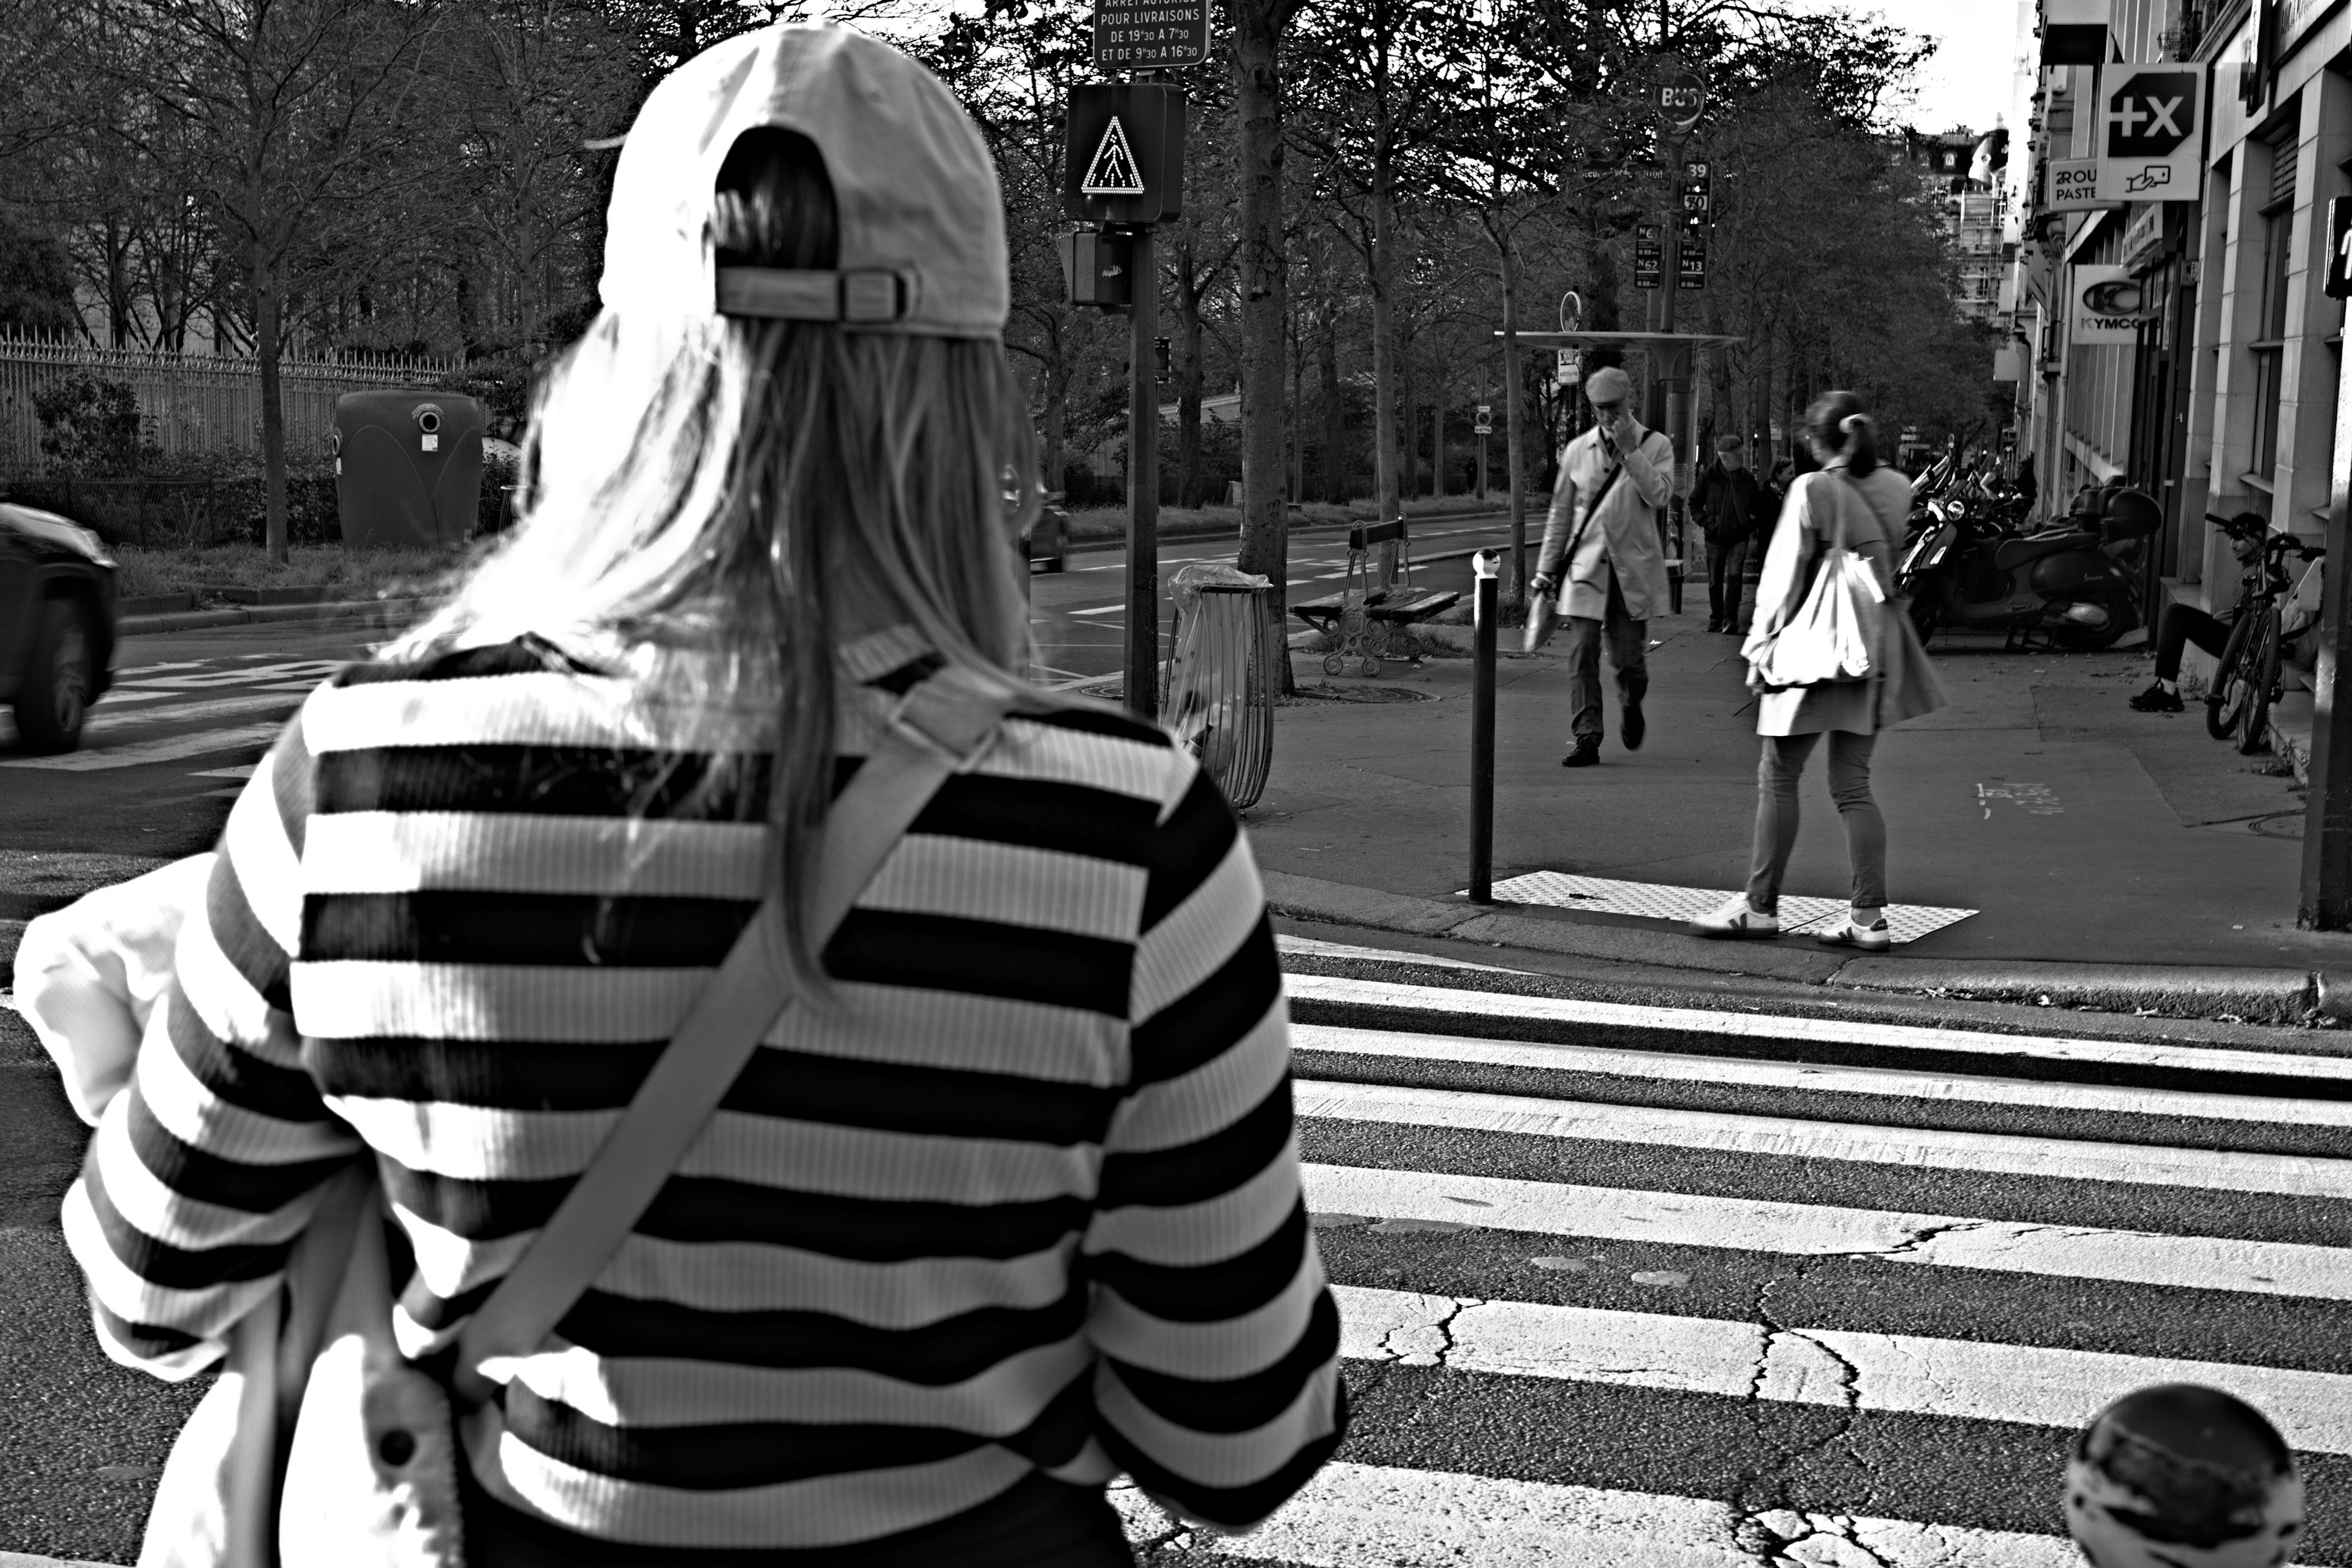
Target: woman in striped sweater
{"type": "Point", "coordinates": [1013, 1205]}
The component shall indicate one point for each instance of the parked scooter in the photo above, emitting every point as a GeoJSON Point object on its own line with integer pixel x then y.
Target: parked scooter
{"type": "Point", "coordinates": [2079, 582]}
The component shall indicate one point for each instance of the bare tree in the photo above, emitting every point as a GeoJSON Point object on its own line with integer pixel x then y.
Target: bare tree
{"type": "Point", "coordinates": [295, 111]}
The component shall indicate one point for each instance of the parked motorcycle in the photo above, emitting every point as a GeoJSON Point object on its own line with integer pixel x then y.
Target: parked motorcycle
{"type": "Point", "coordinates": [1967, 568]}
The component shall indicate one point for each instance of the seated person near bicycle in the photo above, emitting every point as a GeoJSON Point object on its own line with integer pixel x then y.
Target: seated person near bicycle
{"type": "Point", "coordinates": [2184, 624]}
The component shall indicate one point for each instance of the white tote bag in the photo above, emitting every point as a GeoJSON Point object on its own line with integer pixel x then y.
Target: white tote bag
{"type": "Point", "coordinates": [1833, 635]}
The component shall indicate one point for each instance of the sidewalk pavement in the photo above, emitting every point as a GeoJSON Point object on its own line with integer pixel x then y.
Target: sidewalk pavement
{"type": "Point", "coordinates": [2114, 860]}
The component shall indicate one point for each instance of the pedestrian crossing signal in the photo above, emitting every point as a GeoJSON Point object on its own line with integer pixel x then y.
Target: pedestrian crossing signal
{"type": "Point", "coordinates": [1124, 158]}
{"type": "Point", "coordinates": [1112, 171]}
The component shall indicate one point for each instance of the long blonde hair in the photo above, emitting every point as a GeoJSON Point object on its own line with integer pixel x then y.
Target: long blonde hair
{"type": "Point", "coordinates": [709, 485]}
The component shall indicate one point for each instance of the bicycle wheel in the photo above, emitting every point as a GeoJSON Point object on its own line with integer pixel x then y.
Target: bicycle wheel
{"type": "Point", "coordinates": [2225, 698]}
{"type": "Point", "coordinates": [2261, 681]}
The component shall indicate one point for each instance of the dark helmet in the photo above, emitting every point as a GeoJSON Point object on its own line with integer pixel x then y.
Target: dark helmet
{"type": "Point", "coordinates": [2130, 514]}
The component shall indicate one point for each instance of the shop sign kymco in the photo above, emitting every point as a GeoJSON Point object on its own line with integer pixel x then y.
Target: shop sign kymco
{"type": "Point", "coordinates": [2151, 131]}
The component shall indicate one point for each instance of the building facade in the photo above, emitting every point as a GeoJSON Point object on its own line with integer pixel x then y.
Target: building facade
{"type": "Point", "coordinates": [2218, 392]}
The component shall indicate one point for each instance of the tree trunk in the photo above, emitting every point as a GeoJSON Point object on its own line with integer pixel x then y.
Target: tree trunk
{"type": "Point", "coordinates": [1408, 431]}
{"type": "Point", "coordinates": [1438, 445]}
{"type": "Point", "coordinates": [1335, 417]}
{"type": "Point", "coordinates": [1383, 281]}
{"type": "Point", "coordinates": [1257, 107]}
{"type": "Point", "coordinates": [1514, 587]}
{"type": "Point", "coordinates": [273, 412]}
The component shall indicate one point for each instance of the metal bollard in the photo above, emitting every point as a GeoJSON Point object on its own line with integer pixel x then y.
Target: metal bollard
{"type": "Point", "coordinates": [1482, 731]}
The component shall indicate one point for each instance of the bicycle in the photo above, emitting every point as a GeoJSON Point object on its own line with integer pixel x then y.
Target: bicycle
{"type": "Point", "coordinates": [2246, 675]}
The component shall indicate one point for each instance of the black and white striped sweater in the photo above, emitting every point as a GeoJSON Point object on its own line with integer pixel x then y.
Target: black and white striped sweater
{"type": "Point", "coordinates": [1024, 1204]}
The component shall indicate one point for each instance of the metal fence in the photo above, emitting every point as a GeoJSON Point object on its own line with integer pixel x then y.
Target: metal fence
{"type": "Point", "coordinates": [191, 403]}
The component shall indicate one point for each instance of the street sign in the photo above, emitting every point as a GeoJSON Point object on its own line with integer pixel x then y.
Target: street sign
{"type": "Point", "coordinates": [2074, 185]}
{"type": "Point", "coordinates": [1697, 187]}
{"type": "Point", "coordinates": [1112, 171]}
{"type": "Point", "coordinates": [1125, 153]}
{"type": "Point", "coordinates": [1565, 370]}
{"type": "Point", "coordinates": [2151, 134]}
{"type": "Point", "coordinates": [2340, 247]}
{"type": "Point", "coordinates": [1486, 423]}
{"type": "Point", "coordinates": [1690, 263]}
{"type": "Point", "coordinates": [1151, 35]}
{"type": "Point", "coordinates": [1649, 256]}
{"type": "Point", "coordinates": [1681, 99]}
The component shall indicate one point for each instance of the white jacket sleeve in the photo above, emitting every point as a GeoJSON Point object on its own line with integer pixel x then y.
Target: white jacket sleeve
{"type": "Point", "coordinates": [89, 975]}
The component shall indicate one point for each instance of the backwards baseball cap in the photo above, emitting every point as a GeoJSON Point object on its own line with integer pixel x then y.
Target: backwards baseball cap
{"type": "Point", "coordinates": [922, 226]}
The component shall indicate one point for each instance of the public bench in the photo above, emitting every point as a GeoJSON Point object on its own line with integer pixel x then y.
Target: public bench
{"type": "Point", "coordinates": [1365, 618]}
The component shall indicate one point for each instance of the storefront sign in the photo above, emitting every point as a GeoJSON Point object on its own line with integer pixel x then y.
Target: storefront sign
{"type": "Point", "coordinates": [2075, 186]}
{"type": "Point", "coordinates": [2104, 306]}
{"type": "Point", "coordinates": [2151, 136]}
{"type": "Point", "coordinates": [2296, 18]}
{"type": "Point", "coordinates": [2144, 237]}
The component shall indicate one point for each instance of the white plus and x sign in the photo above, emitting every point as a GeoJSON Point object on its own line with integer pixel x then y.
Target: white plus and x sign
{"type": "Point", "coordinates": [2157, 116]}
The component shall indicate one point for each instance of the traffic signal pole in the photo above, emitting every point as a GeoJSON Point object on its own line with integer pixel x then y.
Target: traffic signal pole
{"type": "Point", "coordinates": [1141, 670]}
{"type": "Point", "coordinates": [1673, 370]}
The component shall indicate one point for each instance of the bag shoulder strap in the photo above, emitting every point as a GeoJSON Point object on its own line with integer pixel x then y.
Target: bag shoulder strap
{"type": "Point", "coordinates": [1576, 539]}
{"type": "Point", "coordinates": [938, 727]}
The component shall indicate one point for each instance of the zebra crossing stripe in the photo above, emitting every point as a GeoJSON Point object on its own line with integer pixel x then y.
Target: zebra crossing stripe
{"type": "Point", "coordinates": [1623, 1018]}
{"type": "Point", "coordinates": [2229, 1171]}
{"type": "Point", "coordinates": [1353, 1514]}
{"type": "Point", "coordinates": [1807, 1080]}
{"type": "Point", "coordinates": [103, 723]}
{"type": "Point", "coordinates": [1906, 1373]}
{"type": "Point", "coordinates": [1809, 1230]}
{"type": "Point", "coordinates": [170, 748]}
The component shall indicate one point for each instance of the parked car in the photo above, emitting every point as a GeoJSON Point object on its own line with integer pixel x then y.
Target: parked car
{"type": "Point", "coordinates": [56, 624]}
{"type": "Point", "coordinates": [1049, 536]}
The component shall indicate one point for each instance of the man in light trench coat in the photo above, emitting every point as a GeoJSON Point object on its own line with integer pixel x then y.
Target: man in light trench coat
{"type": "Point", "coordinates": [1606, 561]}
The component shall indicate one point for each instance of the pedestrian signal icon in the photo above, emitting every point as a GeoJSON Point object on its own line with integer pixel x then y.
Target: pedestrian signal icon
{"type": "Point", "coordinates": [1113, 170]}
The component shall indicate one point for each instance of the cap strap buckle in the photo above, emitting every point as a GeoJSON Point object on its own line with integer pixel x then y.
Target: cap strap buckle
{"type": "Point", "coordinates": [785, 294]}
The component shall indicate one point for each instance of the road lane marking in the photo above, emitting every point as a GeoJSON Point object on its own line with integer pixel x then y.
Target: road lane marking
{"type": "Point", "coordinates": [2029, 1385]}
{"type": "Point", "coordinates": [1802, 1079]}
{"type": "Point", "coordinates": [1988, 1153]}
{"type": "Point", "coordinates": [1822, 1230]}
{"type": "Point", "coordinates": [1352, 1514]}
{"type": "Point", "coordinates": [1101, 610]}
{"type": "Point", "coordinates": [171, 748]}
{"type": "Point", "coordinates": [103, 723]}
{"type": "Point", "coordinates": [1802, 1031]}
{"type": "Point", "coordinates": [1656, 900]}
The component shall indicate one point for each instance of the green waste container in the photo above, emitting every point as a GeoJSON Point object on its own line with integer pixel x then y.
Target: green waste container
{"type": "Point", "coordinates": [408, 466]}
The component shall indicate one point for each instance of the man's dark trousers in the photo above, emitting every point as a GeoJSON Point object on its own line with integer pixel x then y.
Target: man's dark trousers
{"type": "Point", "coordinates": [1629, 651]}
{"type": "Point", "coordinates": [1727, 565]}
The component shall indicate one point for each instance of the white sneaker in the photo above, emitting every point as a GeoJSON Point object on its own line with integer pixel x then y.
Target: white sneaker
{"type": "Point", "coordinates": [1845, 934]}
{"type": "Point", "coordinates": [1735, 919]}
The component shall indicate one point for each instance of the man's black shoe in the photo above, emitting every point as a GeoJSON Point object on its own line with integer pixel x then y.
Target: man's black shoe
{"type": "Point", "coordinates": [1634, 727]}
{"type": "Point", "coordinates": [1586, 752]}
{"type": "Point", "coordinates": [1716, 626]}
{"type": "Point", "coordinates": [2157, 699]}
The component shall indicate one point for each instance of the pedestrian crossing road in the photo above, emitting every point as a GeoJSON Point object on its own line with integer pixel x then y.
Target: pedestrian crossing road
{"type": "Point", "coordinates": [1664, 1287]}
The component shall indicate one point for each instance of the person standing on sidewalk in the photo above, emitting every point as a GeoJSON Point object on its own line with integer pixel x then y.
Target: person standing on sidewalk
{"type": "Point", "coordinates": [1727, 502]}
{"type": "Point", "coordinates": [1602, 554]}
{"type": "Point", "coordinates": [1856, 500]}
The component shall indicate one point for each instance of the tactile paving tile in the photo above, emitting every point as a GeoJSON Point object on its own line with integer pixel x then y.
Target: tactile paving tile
{"type": "Point", "coordinates": [1653, 901]}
